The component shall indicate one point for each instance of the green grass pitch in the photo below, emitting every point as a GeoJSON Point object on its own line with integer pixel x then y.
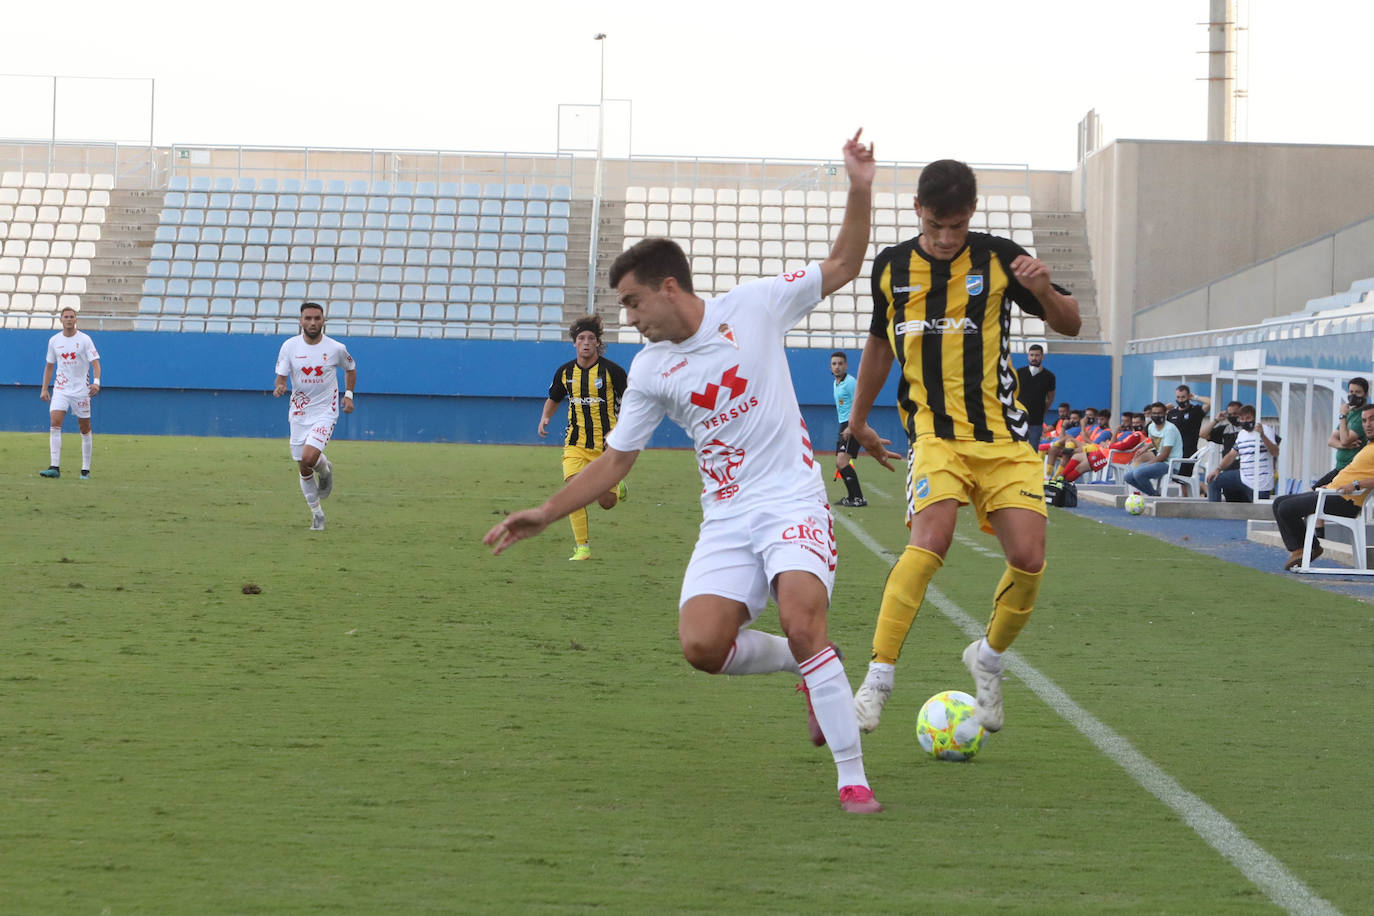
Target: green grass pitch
{"type": "Point", "coordinates": [401, 722]}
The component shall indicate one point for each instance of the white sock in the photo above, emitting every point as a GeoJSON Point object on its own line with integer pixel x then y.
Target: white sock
{"type": "Point", "coordinates": [312, 492]}
{"type": "Point", "coordinates": [322, 464]}
{"type": "Point", "coordinates": [880, 674]}
{"type": "Point", "coordinates": [85, 451]}
{"type": "Point", "coordinates": [989, 656]}
{"type": "Point", "coordinates": [755, 652]}
{"type": "Point", "coordinates": [55, 446]}
{"type": "Point", "coordinates": [832, 701]}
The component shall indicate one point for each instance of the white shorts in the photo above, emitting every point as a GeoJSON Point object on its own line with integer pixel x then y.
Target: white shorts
{"type": "Point", "coordinates": [306, 431]}
{"type": "Point", "coordinates": [740, 557]}
{"type": "Point", "coordinates": [64, 401]}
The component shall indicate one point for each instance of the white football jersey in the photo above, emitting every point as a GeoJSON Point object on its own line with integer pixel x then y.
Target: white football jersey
{"type": "Point", "coordinates": [314, 381]}
{"type": "Point", "coordinates": [728, 386]}
{"type": "Point", "coordinates": [71, 358]}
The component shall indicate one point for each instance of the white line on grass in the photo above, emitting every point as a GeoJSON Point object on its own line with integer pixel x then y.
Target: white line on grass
{"type": "Point", "coordinates": [1262, 869]}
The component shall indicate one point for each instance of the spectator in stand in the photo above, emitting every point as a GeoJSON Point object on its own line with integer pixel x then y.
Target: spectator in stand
{"type": "Point", "coordinates": [1353, 483]}
{"type": "Point", "coordinates": [1349, 437]}
{"type": "Point", "coordinates": [1056, 429]}
{"type": "Point", "coordinates": [1091, 451]}
{"type": "Point", "coordinates": [1224, 427]}
{"type": "Point", "coordinates": [1217, 437]}
{"type": "Point", "coordinates": [1256, 448]}
{"type": "Point", "coordinates": [1187, 414]}
{"type": "Point", "coordinates": [1127, 440]}
{"type": "Point", "coordinates": [1035, 390]}
{"type": "Point", "coordinates": [1067, 439]}
{"type": "Point", "coordinates": [1165, 442]}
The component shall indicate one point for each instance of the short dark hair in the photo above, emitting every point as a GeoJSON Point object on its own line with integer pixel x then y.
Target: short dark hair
{"type": "Point", "coordinates": [1103, 412]}
{"type": "Point", "coordinates": [652, 261]}
{"type": "Point", "coordinates": [840, 354]}
{"type": "Point", "coordinates": [1184, 388]}
{"type": "Point", "coordinates": [1035, 347]}
{"type": "Point", "coordinates": [1361, 381]}
{"type": "Point", "coordinates": [1064, 404]}
{"type": "Point", "coordinates": [1249, 408]}
{"type": "Point", "coordinates": [947, 186]}
{"type": "Point", "coordinates": [589, 323]}
{"type": "Point", "coordinates": [1234, 404]}
{"type": "Point", "coordinates": [311, 305]}
{"type": "Point", "coordinates": [1366, 408]}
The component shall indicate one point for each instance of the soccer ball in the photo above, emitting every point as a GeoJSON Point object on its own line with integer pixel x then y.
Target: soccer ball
{"type": "Point", "coordinates": [947, 727]}
{"type": "Point", "coordinates": [1135, 503]}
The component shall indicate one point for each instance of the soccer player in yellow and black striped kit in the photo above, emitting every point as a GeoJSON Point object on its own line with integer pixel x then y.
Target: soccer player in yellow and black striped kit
{"type": "Point", "coordinates": [942, 305]}
{"type": "Point", "coordinates": [593, 387]}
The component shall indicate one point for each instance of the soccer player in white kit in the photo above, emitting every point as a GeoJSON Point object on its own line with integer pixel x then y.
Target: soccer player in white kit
{"type": "Point", "coordinates": [310, 361]}
{"type": "Point", "coordinates": [718, 369]}
{"type": "Point", "coordinates": [72, 356]}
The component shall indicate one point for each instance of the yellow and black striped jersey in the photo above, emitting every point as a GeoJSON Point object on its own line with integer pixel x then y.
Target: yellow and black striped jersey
{"type": "Point", "coordinates": [948, 323]}
{"type": "Point", "coordinates": [593, 395]}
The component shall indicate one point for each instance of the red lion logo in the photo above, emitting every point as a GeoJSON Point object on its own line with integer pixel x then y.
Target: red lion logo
{"type": "Point", "coordinates": [720, 461]}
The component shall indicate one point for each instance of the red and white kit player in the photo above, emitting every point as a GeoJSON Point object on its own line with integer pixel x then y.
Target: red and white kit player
{"type": "Point", "coordinates": [72, 357]}
{"type": "Point", "coordinates": [310, 361]}
{"type": "Point", "coordinates": [718, 369]}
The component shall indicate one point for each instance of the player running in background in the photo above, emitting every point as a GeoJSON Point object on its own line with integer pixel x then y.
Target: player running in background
{"type": "Point", "coordinates": [593, 387]}
{"type": "Point", "coordinates": [718, 369]}
{"type": "Point", "coordinates": [942, 308]}
{"type": "Point", "coordinates": [71, 356]}
{"type": "Point", "coordinates": [310, 360]}
{"type": "Point", "coordinates": [846, 448]}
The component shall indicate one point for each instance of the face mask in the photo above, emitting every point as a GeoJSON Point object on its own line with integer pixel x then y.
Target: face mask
{"type": "Point", "coordinates": [1248, 425]}
{"type": "Point", "coordinates": [1157, 421]}
{"type": "Point", "coordinates": [1355, 400]}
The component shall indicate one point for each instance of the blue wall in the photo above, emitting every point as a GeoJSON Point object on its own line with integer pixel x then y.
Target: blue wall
{"type": "Point", "coordinates": [408, 390]}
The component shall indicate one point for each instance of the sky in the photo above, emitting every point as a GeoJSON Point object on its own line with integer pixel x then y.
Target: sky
{"type": "Point", "coordinates": [991, 81]}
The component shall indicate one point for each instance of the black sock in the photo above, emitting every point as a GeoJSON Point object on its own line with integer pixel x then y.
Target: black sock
{"type": "Point", "coordinates": [851, 481]}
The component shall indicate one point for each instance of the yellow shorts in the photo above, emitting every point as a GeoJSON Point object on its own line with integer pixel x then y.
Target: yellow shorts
{"type": "Point", "coordinates": [576, 458]}
{"type": "Point", "coordinates": [990, 475]}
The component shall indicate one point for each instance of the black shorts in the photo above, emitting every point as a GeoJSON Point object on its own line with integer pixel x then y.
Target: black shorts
{"type": "Point", "coordinates": [849, 444]}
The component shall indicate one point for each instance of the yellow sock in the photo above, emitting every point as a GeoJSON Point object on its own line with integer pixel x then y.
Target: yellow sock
{"type": "Point", "coordinates": [579, 525]}
{"type": "Point", "coordinates": [1012, 605]}
{"type": "Point", "coordinates": [902, 597]}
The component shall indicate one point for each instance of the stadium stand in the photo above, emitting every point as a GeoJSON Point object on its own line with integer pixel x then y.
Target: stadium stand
{"type": "Point", "coordinates": [389, 255]}
{"type": "Point", "coordinates": [235, 250]}
{"type": "Point", "coordinates": [49, 224]}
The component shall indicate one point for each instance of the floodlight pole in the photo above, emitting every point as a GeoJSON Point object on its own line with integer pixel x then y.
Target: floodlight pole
{"type": "Point", "coordinates": [597, 186]}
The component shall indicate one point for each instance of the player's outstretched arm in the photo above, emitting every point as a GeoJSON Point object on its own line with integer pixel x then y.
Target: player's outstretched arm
{"type": "Point", "coordinates": [874, 365]}
{"type": "Point", "coordinates": [851, 243]}
{"type": "Point", "coordinates": [598, 477]}
{"type": "Point", "coordinates": [1061, 311]}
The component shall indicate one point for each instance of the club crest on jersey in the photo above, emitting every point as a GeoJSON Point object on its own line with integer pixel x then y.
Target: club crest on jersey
{"type": "Point", "coordinates": [974, 284]}
{"type": "Point", "coordinates": [599, 381]}
{"type": "Point", "coordinates": [729, 334]}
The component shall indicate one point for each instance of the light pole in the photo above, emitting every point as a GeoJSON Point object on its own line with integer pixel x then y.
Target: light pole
{"type": "Point", "coordinates": [596, 188]}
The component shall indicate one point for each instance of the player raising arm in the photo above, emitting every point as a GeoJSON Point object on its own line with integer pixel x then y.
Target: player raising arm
{"type": "Point", "coordinates": [719, 370]}
{"type": "Point", "coordinates": [941, 307]}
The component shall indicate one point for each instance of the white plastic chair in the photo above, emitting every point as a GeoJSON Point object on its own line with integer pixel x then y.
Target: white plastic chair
{"type": "Point", "coordinates": [1188, 485]}
{"type": "Point", "coordinates": [1357, 537]}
